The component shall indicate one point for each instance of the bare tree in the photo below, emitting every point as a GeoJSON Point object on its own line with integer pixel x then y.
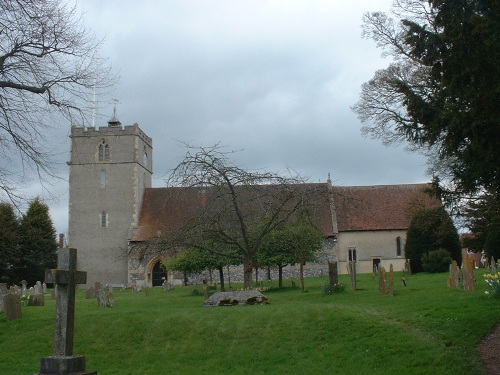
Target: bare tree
{"type": "Point", "coordinates": [240, 207]}
{"type": "Point", "coordinates": [49, 70]}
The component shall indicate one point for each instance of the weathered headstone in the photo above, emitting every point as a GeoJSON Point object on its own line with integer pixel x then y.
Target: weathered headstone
{"type": "Point", "coordinates": [16, 289]}
{"type": "Point", "coordinates": [38, 288]}
{"type": "Point", "coordinates": [391, 280]}
{"type": "Point", "coordinates": [493, 266]}
{"type": "Point", "coordinates": [97, 287]}
{"type": "Point", "coordinates": [382, 281]}
{"type": "Point", "coordinates": [23, 290]}
{"type": "Point", "coordinates": [146, 290]}
{"type": "Point", "coordinates": [65, 278]}
{"type": "Point", "coordinates": [166, 286]}
{"type": "Point", "coordinates": [453, 280]}
{"type": "Point", "coordinates": [44, 288]}
{"type": "Point", "coordinates": [3, 291]}
{"type": "Point", "coordinates": [105, 299]}
{"type": "Point", "coordinates": [468, 274]}
{"type": "Point", "coordinates": [90, 293]}
{"type": "Point", "coordinates": [12, 306]}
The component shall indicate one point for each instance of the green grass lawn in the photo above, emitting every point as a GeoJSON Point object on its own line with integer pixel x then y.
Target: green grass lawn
{"type": "Point", "coordinates": [425, 328]}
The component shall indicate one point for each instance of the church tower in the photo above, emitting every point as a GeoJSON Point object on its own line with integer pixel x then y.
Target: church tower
{"type": "Point", "coordinates": [109, 169]}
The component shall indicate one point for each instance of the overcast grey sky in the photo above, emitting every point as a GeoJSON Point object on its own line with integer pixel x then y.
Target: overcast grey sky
{"type": "Point", "coordinates": [274, 79]}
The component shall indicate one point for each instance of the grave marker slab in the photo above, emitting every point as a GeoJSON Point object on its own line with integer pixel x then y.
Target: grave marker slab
{"type": "Point", "coordinates": [12, 306]}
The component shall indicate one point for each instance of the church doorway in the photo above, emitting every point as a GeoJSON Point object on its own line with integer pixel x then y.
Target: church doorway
{"type": "Point", "coordinates": [158, 274]}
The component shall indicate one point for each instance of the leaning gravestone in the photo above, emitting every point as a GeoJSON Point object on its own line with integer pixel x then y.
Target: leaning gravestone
{"type": "Point", "coordinates": [12, 306]}
{"type": "Point", "coordinates": [65, 278]}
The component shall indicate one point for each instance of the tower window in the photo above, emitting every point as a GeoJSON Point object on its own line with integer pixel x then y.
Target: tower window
{"type": "Point", "coordinates": [103, 179]}
{"type": "Point", "coordinates": [103, 154]}
{"type": "Point", "coordinates": [104, 221]}
{"type": "Point", "coordinates": [145, 157]}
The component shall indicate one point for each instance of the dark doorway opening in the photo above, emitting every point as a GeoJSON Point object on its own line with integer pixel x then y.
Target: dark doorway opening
{"type": "Point", "coordinates": [376, 264]}
{"type": "Point", "coordinates": [159, 274]}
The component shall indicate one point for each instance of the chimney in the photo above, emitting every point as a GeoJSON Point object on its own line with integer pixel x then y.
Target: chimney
{"type": "Point", "coordinates": [61, 240]}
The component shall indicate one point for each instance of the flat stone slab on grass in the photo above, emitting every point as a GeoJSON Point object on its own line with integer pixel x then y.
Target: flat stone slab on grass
{"type": "Point", "coordinates": [244, 297]}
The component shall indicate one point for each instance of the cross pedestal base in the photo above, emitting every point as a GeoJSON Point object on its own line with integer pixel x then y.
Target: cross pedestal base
{"type": "Point", "coordinates": [64, 365]}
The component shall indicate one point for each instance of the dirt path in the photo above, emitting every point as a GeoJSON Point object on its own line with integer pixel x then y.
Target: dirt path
{"type": "Point", "coordinates": [490, 352]}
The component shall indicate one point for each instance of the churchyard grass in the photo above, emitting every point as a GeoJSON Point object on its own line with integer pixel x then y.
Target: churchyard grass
{"type": "Point", "coordinates": [425, 328]}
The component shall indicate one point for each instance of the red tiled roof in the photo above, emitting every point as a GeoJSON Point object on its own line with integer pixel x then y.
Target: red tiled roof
{"type": "Point", "coordinates": [166, 210]}
{"type": "Point", "coordinates": [382, 207]}
{"type": "Point", "coordinates": [355, 208]}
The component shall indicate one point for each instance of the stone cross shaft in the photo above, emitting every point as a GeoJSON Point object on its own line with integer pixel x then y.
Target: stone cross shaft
{"type": "Point", "coordinates": [65, 277]}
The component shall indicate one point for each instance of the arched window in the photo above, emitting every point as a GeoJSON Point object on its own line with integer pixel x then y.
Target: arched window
{"type": "Point", "coordinates": [103, 151]}
{"type": "Point", "coordinates": [398, 246]}
{"type": "Point", "coordinates": [352, 254]}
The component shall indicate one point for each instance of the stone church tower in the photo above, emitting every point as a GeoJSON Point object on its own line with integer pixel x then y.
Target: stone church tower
{"type": "Point", "coordinates": [109, 169]}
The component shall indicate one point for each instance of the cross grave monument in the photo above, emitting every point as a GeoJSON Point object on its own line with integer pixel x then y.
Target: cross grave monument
{"type": "Point", "coordinates": [65, 278]}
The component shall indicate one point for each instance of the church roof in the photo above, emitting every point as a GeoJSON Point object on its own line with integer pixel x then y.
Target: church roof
{"type": "Point", "coordinates": [337, 209]}
{"type": "Point", "coordinates": [379, 207]}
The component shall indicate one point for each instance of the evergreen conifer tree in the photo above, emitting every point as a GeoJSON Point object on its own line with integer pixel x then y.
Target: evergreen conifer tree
{"type": "Point", "coordinates": [38, 243]}
{"type": "Point", "coordinates": [9, 242]}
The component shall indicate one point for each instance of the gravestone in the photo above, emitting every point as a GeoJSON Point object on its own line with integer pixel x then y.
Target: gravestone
{"type": "Point", "coordinates": [44, 288]}
{"type": "Point", "coordinates": [24, 289]}
{"type": "Point", "coordinates": [105, 299]}
{"type": "Point", "coordinates": [3, 291]}
{"type": "Point", "coordinates": [453, 280]}
{"type": "Point", "coordinates": [391, 280]}
{"type": "Point", "coordinates": [38, 288]}
{"type": "Point", "coordinates": [90, 293]}
{"type": "Point", "coordinates": [382, 281]}
{"type": "Point", "coordinates": [146, 291]}
{"type": "Point", "coordinates": [12, 306]}
{"type": "Point", "coordinates": [493, 266]}
{"type": "Point", "coordinates": [167, 286]}
{"type": "Point", "coordinates": [468, 274]}
{"type": "Point", "coordinates": [65, 278]}
{"type": "Point", "coordinates": [97, 287]}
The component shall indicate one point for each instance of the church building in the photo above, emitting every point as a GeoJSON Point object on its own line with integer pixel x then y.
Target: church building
{"type": "Point", "coordinates": [112, 207]}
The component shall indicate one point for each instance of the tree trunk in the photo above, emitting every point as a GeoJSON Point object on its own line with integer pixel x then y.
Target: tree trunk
{"type": "Point", "coordinates": [221, 277]}
{"type": "Point", "coordinates": [229, 277]}
{"type": "Point", "coordinates": [268, 273]}
{"type": "Point", "coordinates": [256, 275]}
{"type": "Point", "coordinates": [280, 276]}
{"type": "Point", "coordinates": [333, 273]}
{"type": "Point", "coordinates": [247, 276]}
{"type": "Point", "coordinates": [301, 270]}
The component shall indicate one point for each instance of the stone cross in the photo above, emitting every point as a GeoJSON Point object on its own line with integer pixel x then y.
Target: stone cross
{"type": "Point", "coordinates": [66, 277]}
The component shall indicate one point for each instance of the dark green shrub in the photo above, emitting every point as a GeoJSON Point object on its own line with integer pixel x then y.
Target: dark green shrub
{"type": "Point", "coordinates": [436, 261]}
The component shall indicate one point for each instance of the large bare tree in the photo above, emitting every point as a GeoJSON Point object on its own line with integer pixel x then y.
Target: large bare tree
{"type": "Point", "coordinates": [239, 207]}
{"type": "Point", "coordinates": [49, 67]}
